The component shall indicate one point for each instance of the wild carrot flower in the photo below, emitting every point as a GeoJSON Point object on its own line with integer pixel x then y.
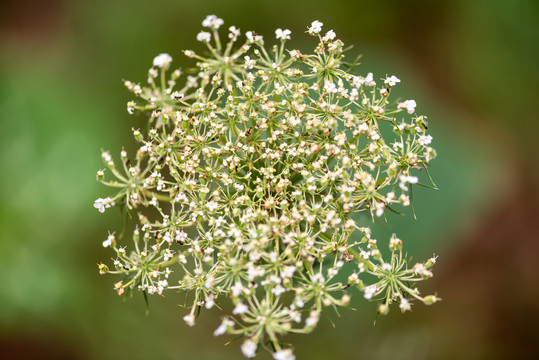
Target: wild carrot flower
{"type": "Point", "coordinates": [248, 180]}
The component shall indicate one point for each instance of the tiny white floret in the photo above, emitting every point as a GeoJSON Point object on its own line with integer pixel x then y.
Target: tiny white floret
{"type": "Point", "coordinates": [330, 35]}
{"type": "Point", "coordinates": [162, 60]}
{"type": "Point", "coordinates": [248, 348]}
{"type": "Point", "coordinates": [392, 80]}
{"type": "Point", "coordinates": [316, 27]}
{"type": "Point", "coordinates": [212, 21]}
{"type": "Point", "coordinates": [425, 140]}
{"type": "Point", "coordinates": [405, 305]}
{"type": "Point", "coordinates": [369, 292]}
{"type": "Point", "coordinates": [241, 308]}
{"type": "Point", "coordinates": [189, 319]}
{"type": "Point", "coordinates": [409, 105]}
{"type": "Point", "coordinates": [285, 354]}
{"type": "Point", "coordinates": [234, 32]}
{"type": "Point", "coordinates": [282, 34]}
{"type": "Point", "coordinates": [204, 36]}
{"type": "Point", "coordinates": [102, 204]}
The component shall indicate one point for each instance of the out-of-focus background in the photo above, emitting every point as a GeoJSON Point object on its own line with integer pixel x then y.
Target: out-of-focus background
{"type": "Point", "coordinates": [472, 66]}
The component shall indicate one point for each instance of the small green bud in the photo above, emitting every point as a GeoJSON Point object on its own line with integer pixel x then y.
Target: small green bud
{"type": "Point", "coordinates": [103, 269]}
{"type": "Point", "coordinates": [430, 299]}
{"type": "Point", "coordinates": [137, 134]}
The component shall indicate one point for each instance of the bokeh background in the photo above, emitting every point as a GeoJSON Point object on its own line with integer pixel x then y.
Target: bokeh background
{"type": "Point", "coordinates": [472, 66]}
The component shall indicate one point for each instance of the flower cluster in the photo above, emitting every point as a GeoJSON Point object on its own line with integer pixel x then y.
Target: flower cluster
{"type": "Point", "coordinates": [250, 179]}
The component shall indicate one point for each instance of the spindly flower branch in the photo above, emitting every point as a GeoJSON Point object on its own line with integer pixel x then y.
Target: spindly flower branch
{"type": "Point", "coordinates": [249, 178]}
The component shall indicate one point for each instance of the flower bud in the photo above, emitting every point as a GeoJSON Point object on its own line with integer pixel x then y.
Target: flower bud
{"type": "Point", "coordinates": [176, 74]}
{"type": "Point", "coordinates": [430, 262]}
{"type": "Point", "coordinates": [138, 135]}
{"type": "Point", "coordinates": [103, 269]}
{"type": "Point", "coordinates": [430, 299]}
{"type": "Point", "coordinates": [395, 243]}
{"type": "Point", "coordinates": [119, 287]}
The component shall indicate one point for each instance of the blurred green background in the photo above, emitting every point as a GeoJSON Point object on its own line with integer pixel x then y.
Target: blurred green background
{"type": "Point", "coordinates": [472, 66]}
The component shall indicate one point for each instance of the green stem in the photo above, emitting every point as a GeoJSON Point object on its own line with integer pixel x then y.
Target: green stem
{"type": "Point", "coordinates": [161, 197]}
{"type": "Point", "coordinates": [172, 261]}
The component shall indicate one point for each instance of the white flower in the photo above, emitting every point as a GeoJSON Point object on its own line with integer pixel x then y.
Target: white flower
{"type": "Point", "coordinates": [204, 36]}
{"type": "Point", "coordinates": [330, 35]}
{"type": "Point", "coordinates": [223, 327]}
{"type": "Point", "coordinates": [404, 199]}
{"type": "Point", "coordinates": [212, 21]}
{"type": "Point", "coordinates": [212, 205]}
{"type": "Point", "coordinates": [248, 348]}
{"type": "Point", "coordinates": [102, 204]}
{"type": "Point", "coordinates": [234, 188]}
{"type": "Point", "coordinates": [131, 107]}
{"type": "Point", "coordinates": [252, 37]}
{"type": "Point", "coordinates": [181, 236]}
{"type": "Point", "coordinates": [278, 290]}
{"type": "Point", "coordinates": [283, 34]}
{"type": "Point", "coordinates": [161, 285]}
{"type": "Point", "coordinates": [392, 80]}
{"type": "Point", "coordinates": [379, 206]}
{"type": "Point", "coordinates": [369, 80]}
{"type": "Point", "coordinates": [237, 289]}
{"type": "Point", "coordinates": [210, 302]}
{"type": "Point", "coordinates": [241, 308]}
{"type": "Point", "coordinates": [330, 87]}
{"type": "Point", "coordinates": [425, 140]}
{"type": "Point", "coordinates": [220, 221]}
{"type": "Point", "coordinates": [285, 354]}
{"type": "Point", "coordinates": [182, 259]}
{"type": "Point", "coordinates": [189, 319]}
{"type": "Point", "coordinates": [296, 316]}
{"type": "Point", "coordinates": [234, 32]}
{"type": "Point", "coordinates": [311, 321]}
{"type": "Point", "coordinates": [288, 271]}
{"type": "Point", "coordinates": [249, 63]}
{"type": "Point", "coordinates": [404, 179]}
{"type": "Point", "coordinates": [316, 27]}
{"type": "Point", "coordinates": [110, 240]}
{"type": "Point", "coordinates": [313, 318]}
{"type": "Point", "coordinates": [404, 305]}
{"type": "Point", "coordinates": [369, 291]}
{"type": "Point", "coordinates": [409, 105]}
{"type": "Point", "coordinates": [162, 60]}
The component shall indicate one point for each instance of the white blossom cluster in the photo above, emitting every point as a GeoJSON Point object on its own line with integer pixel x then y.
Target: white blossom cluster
{"type": "Point", "coordinates": [249, 181]}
